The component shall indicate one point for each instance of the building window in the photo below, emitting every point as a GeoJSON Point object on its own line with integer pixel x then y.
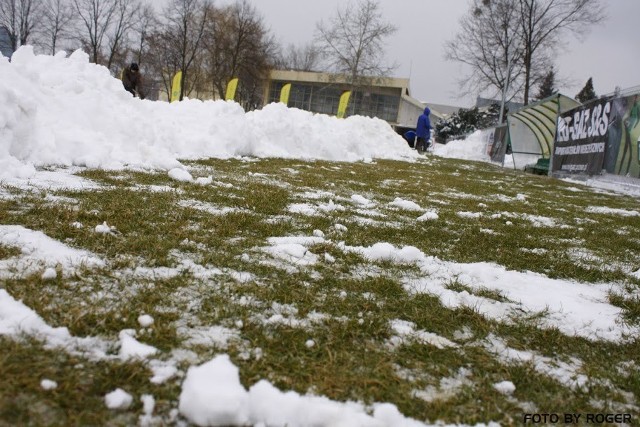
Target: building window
{"type": "Point", "coordinates": [324, 99]}
{"type": "Point", "coordinates": [370, 104]}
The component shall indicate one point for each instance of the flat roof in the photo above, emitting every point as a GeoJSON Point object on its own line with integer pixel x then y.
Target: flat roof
{"type": "Point", "coordinates": [316, 77]}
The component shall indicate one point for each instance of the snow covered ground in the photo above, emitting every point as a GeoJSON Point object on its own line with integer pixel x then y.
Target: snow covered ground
{"type": "Point", "coordinates": [65, 114]}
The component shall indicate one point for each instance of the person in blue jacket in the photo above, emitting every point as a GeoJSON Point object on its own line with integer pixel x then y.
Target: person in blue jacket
{"type": "Point", "coordinates": [423, 131]}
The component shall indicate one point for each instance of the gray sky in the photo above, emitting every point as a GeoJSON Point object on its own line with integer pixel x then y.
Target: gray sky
{"type": "Point", "coordinates": [610, 53]}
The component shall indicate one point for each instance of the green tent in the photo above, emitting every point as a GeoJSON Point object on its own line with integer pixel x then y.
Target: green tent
{"type": "Point", "coordinates": [532, 129]}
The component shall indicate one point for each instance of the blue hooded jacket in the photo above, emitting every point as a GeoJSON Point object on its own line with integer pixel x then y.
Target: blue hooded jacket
{"type": "Point", "coordinates": [423, 128]}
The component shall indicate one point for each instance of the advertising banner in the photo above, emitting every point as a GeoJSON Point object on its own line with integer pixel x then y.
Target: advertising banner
{"type": "Point", "coordinates": [176, 86]}
{"type": "Point", "coordinates": [284, 93]}
{"type": "Point", "coordinates": [623, 145]}
{"type": "Point", "coordinates": [581, 139]}
{"type": "Point", "coordinates": [342, 105]}
{"type": "Point", "coordinates": [602, 135]}
{"type": "Point", "coordinates": [231, 89]}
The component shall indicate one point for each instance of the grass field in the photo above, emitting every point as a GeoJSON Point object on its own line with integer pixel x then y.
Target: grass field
{"type": "Point", "coordinates": [268, 261]}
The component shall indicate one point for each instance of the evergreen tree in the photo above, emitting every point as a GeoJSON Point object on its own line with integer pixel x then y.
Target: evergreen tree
{"type": "Point", "coordinates": [466, 121]}
{"type": "Point", "coordinates": [587, 93]}
{"type": "Point", "coordinates": [547, 86]}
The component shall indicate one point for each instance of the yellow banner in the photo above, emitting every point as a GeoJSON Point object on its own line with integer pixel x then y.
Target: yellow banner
{"type": "Point", "coordinates": [231, 89]}
{"type": "Point", "coordinates": [344, 102]}
{"type": "Point", "coordinates": [176, 85]}
{"type": "Point", "coordinates": [284, 93]}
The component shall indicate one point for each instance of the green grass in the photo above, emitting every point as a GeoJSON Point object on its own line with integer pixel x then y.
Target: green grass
{"type": "Point", "coordinates": [193, 256]}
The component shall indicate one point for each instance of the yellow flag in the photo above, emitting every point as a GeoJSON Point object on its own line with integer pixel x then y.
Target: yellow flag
{"type": "Point", "coordinates": [284, 93]}
{"type": "Point", "coordinates": [231, 89]}
{"type": "Point", "coordinates": [344, 101]}
{"type": "Point", "coordinates": [176, 85]}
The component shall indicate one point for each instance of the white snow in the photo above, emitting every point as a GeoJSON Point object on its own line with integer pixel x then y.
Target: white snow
{"type": "Point", "coordinates": [181, 175]}
{"type": "Point", "coordinates": [118, 399]}
{"type": "Point", "coordinates": [88, 120]}
{"type": "Point", "coordinates": [39, 252]}
{"type": "Point", "coordinates": [145, 320]}
{"type": "Point", "coordinates": [405, 204]}
{"type": "Point", "coordinates": [505, 387]}
{"type": "Point", "coordinates": [103, 228]}
{"type": "Point", "coordinates": [63, 111]}
{"type": "Point", "coordinates": [47, 384]}
{"type": "Point", "coordinates": [49, 274]}
{"type": "Point", "coordinates": [213, 396]}
{"type": "Point", "coordinates": [131, 348]}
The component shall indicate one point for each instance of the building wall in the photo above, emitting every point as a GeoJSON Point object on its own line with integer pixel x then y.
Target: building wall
{"type": "Point", "coordinates": [409, 112]}
{"type": "Point", "coordinates": [384, 98]}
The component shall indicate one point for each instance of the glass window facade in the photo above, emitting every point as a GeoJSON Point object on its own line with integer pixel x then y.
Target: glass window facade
{"type": "Point", "coordinates": [325, 98]}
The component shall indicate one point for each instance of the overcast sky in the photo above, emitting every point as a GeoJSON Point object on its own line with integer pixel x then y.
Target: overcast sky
{"type": "Point", "coordinates": [610, 53]}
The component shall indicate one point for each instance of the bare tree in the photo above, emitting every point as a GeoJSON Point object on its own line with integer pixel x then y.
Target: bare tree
{"type": "Point", "coordinates": [353, 41]}
{"type": "Point", "coordinates": [492, 29]}
{"type": "Point", "coordinates": [185, 27]}
{"type": "Point", "coordinates": [125, 15]}
{"type": "Point", "coordinates": [301, 58]}
{"type": "Point", "coordinates": [165, 62]}
{"type": "Point", "coordinates": [95, 17]}
{"type": "Point", "coordinates": [489, 43]}
{"type": "Point", "coordinates": [239, 45]}
{"type": "Point", "coordinates": [544, 22]}
{"type": "Point", "coordinates": [20, 17]}
{"type": "Point", "coordinates": [143, 27]}
{"type": "Point", "coordinates": [57, 23]}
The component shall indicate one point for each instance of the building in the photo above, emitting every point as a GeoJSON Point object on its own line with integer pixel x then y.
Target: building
{"type": "Point", "coordinates": [386, 98]}
{"type": "Point", "coordinates": [6, 48]}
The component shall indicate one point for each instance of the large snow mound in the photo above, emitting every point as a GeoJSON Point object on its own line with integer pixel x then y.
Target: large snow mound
{"type": "Point", "coordinates": [59, 110]}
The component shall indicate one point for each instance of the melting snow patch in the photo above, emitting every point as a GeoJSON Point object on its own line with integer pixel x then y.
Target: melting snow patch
{"type": "Point", "coordinates": [49, 274]}
{"type": "Point", "coordinates": [469, 214]}
{"type": "Point", "coordinates": [48, 384]}
{"type": "Point", "coordinates": [448, 387]}
{"type": "Point", "coordinates": [563, 372]}
{"type": "Point", "coordinates": [576, 309]}
{"type": "Point", "coordinates": [104, 228]}
{"type": "Point", "coordinates": [387, 252]}
{"type": "Point", "coordinates": [360, 200]}
{"type": "Point", "coordinates": [212, 395]}
{"type": "Point", "coordinates": [505, 387]}
{"type": "Point", "coordinates": [216, 336]}
{"type": "Point", "coordinates": [406, 332]}
{"type": "Point", "coordinates": [37, 250]}
{"type": "Point", "coordinates": [130, 348]}
{"type": "Point", "coordinates": [204, 181]}
{"type": "Point", "coordinates": [118, 399]}
{"type": "Point", "coordinates": [611, 211]}
{"type": "Point", "coordinates": [405, 204]}
{"type": "Point", "coordinates": [428, 216]}
{"type": "Point", "coordinates": [180, 174]}
{"type": "Point", "coordinates": [145, 320]}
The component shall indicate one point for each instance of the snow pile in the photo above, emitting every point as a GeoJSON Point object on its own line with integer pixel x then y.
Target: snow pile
{"type": "Point", "coordinates": [59, 110]}
{"type": "Point", "coordinates": [212, 395]}
{"type": "Point", "coordinates": [474, 147]}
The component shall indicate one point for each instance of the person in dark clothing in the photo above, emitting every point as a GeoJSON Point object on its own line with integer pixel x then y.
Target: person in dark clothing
{"type": "Point", "coordinates": [132, 80]}
{"type": "Point", "coordinates": [423, 131]}
{"type": "Point", "coordinates": [410, 137]}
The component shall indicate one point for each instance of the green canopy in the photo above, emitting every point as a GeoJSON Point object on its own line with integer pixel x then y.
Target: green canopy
{"type": "Point", "coordinates": [532, 129]}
